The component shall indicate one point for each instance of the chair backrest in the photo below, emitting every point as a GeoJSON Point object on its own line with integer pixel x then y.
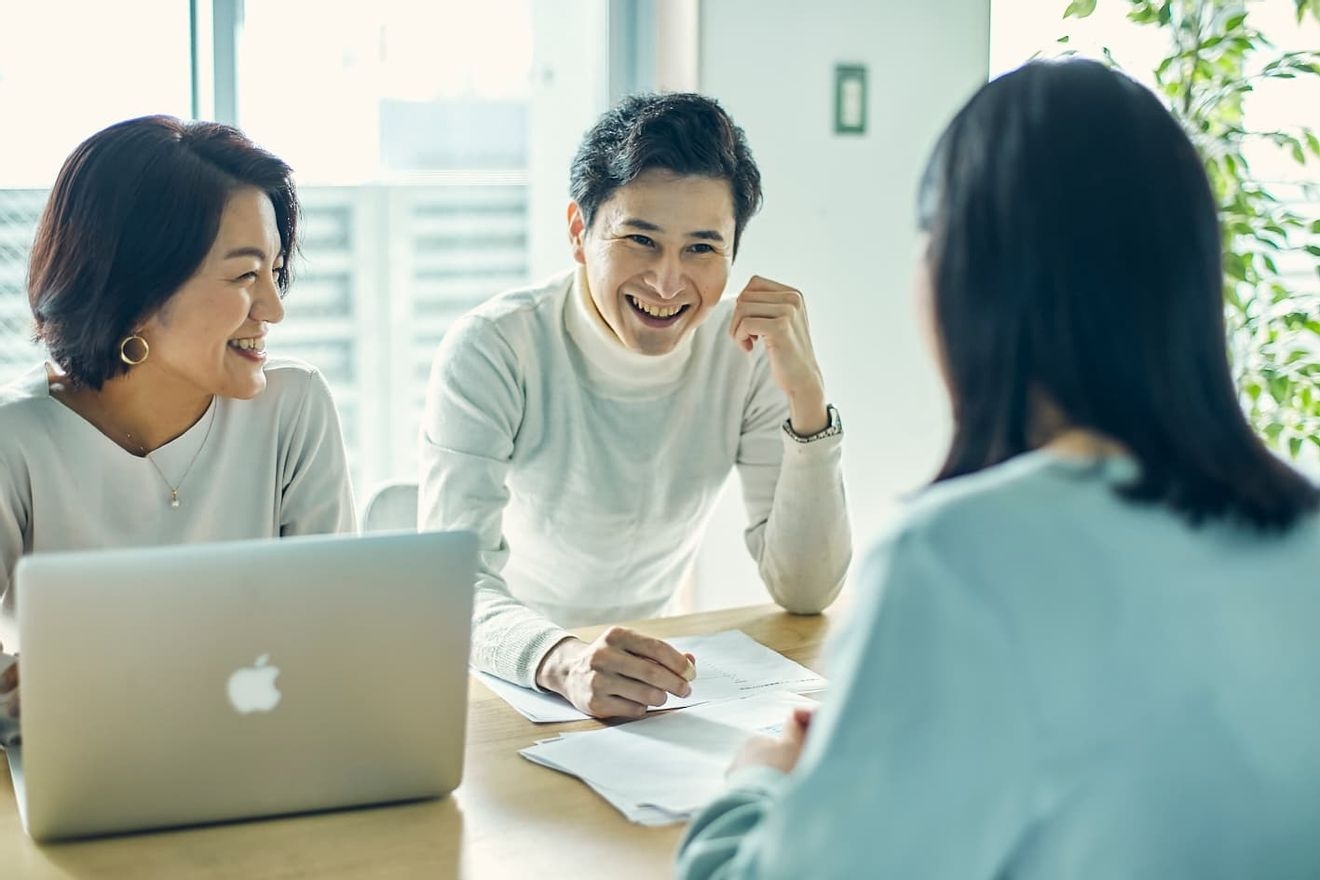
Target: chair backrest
{"type": "Point", "coordinates": [393, 507]}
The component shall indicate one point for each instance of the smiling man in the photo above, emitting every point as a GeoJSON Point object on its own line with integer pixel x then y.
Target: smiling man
{"type": "Point", "coordinates": [583, 428]}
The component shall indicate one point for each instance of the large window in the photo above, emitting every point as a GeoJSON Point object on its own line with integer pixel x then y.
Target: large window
{"type": "Point", "coordinates": [50, 101]}
{"type": "Point", "coordinates": [410, 129]}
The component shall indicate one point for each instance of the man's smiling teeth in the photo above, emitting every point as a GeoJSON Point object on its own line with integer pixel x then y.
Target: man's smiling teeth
{"type": "Point", "coordinates": [255, 344]}
{"type": "Point", "coordinates": [653, 311]}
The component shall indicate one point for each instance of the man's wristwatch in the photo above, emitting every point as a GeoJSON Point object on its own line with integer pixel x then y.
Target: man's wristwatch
{"type": "Point", "coordinates": [834, 427]}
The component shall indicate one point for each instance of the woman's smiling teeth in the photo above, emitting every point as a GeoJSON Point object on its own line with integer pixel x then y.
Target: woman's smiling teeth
{"type": "Point", "coordinates": [654, 311]}
{"type": "Point", "coordinates": [255, 344]}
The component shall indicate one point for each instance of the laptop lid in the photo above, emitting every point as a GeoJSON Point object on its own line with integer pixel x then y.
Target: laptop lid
{"type": "Point", "coordinates": [176, 685]}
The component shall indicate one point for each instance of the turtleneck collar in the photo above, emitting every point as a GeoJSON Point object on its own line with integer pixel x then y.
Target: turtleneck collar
{"type": "Point", "coordinates": [608, 363]}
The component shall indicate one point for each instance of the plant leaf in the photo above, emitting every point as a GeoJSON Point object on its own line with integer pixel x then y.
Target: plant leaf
{"type": "Point", "coordinates": [1079, 9]}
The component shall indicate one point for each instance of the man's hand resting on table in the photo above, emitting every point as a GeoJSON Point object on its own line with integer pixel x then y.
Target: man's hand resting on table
{"type": "Point", "coordinates": [618, 675]}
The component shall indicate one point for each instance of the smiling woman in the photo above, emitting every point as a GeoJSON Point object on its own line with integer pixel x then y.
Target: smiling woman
{"type": "Point", "coordinates": [211, 333]}
{"type": "Point", "coordinates": [159, 263]}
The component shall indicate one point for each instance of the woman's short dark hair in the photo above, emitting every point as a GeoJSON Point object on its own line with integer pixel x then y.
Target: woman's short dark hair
{"type": "Point", "coordinates": [133, 213]}
{"type": "Point", "coordinates": [680, 132]}
{"type": "Point", "coordinates": [1075, 254]}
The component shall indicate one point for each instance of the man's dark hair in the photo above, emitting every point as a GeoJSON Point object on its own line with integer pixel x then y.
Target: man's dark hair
{"type": "Point", "coordinates": [132, 215]}
{"type": "Point", "coordinates": [1075, 252]}
{"type": "Point", "coordinates": [680, 132]}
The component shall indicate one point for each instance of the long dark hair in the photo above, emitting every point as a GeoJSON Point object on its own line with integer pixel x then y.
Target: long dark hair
{"type": "Point", "coordinates": [1075, 254]}
{"type": "Point", "coordinates": [133, 212]}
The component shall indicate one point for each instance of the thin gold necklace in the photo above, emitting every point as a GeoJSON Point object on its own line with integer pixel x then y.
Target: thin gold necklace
{"type": "Point", "coordinates": [174, 488]}
{"type": "Point", "coordinates": [141, 447]}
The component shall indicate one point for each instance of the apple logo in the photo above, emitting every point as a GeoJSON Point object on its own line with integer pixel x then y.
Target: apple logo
{"type": "Point", "coordinates": [252, 688]}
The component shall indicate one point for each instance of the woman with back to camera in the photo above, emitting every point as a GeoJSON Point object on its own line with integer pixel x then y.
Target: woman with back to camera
{"type": "Point", "coordinates": [159, 264]}
{"type": "Point", "coordinates": [1089, 649]}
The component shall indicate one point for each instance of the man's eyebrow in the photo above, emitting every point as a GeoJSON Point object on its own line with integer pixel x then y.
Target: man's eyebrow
{"type": "Point", "coordinates": [648, 226]}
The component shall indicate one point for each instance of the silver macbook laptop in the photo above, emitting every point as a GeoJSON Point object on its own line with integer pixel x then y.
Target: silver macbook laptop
{"type": "Point", "coordinates": [179, 685]}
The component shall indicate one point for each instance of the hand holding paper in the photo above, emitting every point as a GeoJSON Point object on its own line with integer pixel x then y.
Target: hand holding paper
{"type": "Point", "coordinates": [780, 750]}
{"type": "Point", "coordinates": [731, 664]}
{"type": "Point", "coordinates": [660, 770]}
{"type": "Point", "coordinates": [619, 675]}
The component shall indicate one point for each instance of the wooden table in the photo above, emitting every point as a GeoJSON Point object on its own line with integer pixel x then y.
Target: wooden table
{"type": "Point", "coordinates": [509, 818]}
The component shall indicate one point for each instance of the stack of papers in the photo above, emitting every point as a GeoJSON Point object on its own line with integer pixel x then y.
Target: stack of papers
{"type": "Point", "coordinates": [730, 664]}
{"type": "Point", "coordinates": [662, 769]}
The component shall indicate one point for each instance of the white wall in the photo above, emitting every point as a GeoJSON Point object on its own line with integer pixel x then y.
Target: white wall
{"type": "Point", "coordinates": [838, 222]}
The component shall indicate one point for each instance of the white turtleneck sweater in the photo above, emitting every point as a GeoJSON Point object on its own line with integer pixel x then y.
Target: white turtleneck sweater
{"type": "Point", "coordinates": [589, 471]}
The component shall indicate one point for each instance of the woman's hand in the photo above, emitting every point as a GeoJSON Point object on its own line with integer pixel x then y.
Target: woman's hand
{"type": "Point", "coordinates": [780, 752]}
{"type": "Point", "coordinates": [8, 698]}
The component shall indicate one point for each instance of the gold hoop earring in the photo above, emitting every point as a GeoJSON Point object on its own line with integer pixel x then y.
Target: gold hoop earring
{"type": "Point", "coordinates": [123, 350]}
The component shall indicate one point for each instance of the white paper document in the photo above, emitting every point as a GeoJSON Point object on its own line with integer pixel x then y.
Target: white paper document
{"type": "Point", "coordinates": [544, 707]}
{"type": "Point", "coordinates": [662, 769]}
{"type": "Point", "coordinates": [729, 664]}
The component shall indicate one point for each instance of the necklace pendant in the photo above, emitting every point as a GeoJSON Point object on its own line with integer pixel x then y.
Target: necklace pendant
{"type": "Point", "coordinates": [174, 498]}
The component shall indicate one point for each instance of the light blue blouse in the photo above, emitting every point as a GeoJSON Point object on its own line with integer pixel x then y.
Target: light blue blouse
{"type": "Point", "coordinates": [1043, 680]}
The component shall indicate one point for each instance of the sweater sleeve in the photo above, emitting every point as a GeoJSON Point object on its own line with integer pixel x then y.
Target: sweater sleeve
{"type": "Point", "coordinates": [919, 764]}
{"type": "Point", "coordinates": [316, 492]}
{"type": "Point", "coordinates": [474, 407]}
{"type": "Point", "coordinates": [798, 529]}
